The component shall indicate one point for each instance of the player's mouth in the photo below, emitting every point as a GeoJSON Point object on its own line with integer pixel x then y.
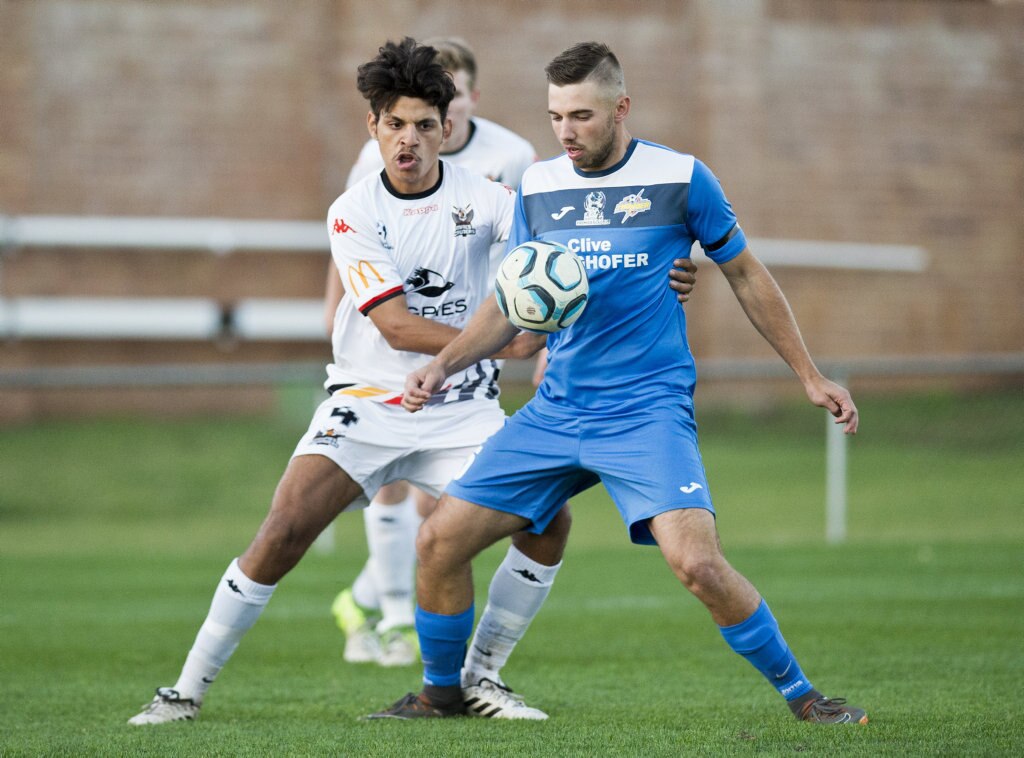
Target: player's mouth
{"type": "Point", "coordinates": [406, 161]}
{"type": "Point", "coordinates": [573, 151]}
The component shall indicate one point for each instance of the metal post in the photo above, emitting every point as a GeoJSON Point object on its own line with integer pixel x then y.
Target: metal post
{"type": "Point", "coordinates": [835, 480]}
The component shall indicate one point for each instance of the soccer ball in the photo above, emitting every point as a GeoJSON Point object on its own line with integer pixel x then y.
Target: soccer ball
{"type": "Point", "coordinates": [541, 287]}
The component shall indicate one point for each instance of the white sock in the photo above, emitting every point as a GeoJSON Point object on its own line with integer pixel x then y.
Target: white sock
{"type": "Point", "coordinates": [518, 590]}
{"type": "Point", "coordinates": [237, 603]}
{"type": "Point", "coordinates": [363, 591]}
{"type": "Point", "coordinates": [391, 537]}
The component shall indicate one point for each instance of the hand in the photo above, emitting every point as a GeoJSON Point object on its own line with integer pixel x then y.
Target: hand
{"type": "Point", "coordinates": [682, 277]}
{"type": "Point", "coordinates": [420, 385]}
{"type": "Point", "coordinates": [836, 400]}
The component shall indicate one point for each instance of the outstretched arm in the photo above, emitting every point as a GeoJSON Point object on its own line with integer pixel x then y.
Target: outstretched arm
{"type": "Point", "coordinates": [768, 311]}
{"type": "Point", "coordinates": [488, 333]}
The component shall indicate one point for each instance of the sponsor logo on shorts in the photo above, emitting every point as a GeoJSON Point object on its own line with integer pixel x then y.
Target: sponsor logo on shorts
{"type": "Point", "coordinates": [691, 488]}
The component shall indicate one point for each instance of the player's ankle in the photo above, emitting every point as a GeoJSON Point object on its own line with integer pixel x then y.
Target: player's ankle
{"type": "Point", "coordinates": [797, 704]}
{"type": "Point", "coordinates": [443, 696]}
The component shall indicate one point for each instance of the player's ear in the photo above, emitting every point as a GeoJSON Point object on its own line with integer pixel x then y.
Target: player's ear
{"type": "Point", "coordinates": [447, 130]}
{"type": "Point", "coordinates": [622, 108]}
{"type": "Point", "coordinates": [371, 124]}
{"type": "Point", "coordinates": [474, 97]}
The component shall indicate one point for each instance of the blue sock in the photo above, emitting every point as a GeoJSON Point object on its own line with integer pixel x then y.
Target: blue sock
{"type": "Point", "coordinates": [443, 645]}
{"type": "Point", "coordinates": [759, 640]}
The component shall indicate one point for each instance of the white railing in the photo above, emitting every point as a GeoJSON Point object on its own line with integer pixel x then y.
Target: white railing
{"type": "Point", "coordinates": [269, 319]}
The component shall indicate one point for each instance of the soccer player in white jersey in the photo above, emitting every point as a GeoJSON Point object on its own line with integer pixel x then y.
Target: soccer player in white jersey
{"type": "Point", "coordinates": [415, 245]}
{"type": "Point", "coordinates": [375, 613]}
{"type": "Point", "coordinates": [616, 402]}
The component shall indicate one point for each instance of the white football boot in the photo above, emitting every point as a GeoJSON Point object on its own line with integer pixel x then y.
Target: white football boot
{"type": "Point", "coordinates": [362, 643]}
{"type": "Point", "coordinates": [399, 647]}
{"type": "Point", "coordinates": [166, 707]}
{"type": "Point", "coordinates": [491, 699]}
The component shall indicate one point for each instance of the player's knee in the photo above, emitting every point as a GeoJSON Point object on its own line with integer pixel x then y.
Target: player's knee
{"type": "Point", "coordinates": [428, 543]}
{"type": "Point", "coordinates": [700, 574]}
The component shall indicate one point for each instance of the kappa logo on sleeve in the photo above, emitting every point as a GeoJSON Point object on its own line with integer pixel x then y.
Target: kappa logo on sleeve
{"type": "Point", "coordinates": [340, 227]}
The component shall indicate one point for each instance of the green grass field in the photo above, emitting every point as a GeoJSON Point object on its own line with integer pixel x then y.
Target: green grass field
{"type": "Point", "coordinates": [113, 534]}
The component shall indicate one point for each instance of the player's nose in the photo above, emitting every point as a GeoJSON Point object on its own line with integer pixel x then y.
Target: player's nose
{"type": "Point", "coordinates": [565, 132]}
{"type": "Point", "coordinates": [410, 135]}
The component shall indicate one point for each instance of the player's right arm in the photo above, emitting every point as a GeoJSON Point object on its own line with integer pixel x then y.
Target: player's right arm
{"type": "Point", "coordinates": [487, 333]}
{"type": "Point", "coordinates": [333, 293]}
{"type": "Point", "coordinates": [368, 162]}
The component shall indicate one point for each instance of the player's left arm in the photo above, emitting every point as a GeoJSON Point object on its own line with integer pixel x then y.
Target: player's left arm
{"type": "Point", "coordinates": [769, 312]}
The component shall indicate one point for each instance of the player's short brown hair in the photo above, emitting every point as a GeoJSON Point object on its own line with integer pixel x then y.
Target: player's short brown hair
{"type": "Point", "coordinates": [455, 55]}
{"type": "Point", "coordinates": [587, 60]}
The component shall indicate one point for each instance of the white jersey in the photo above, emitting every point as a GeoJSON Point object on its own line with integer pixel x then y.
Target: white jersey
{"type": "Point", "coordinates": [437, 248]}
{"type": "Point", "coordinates": [492, 151]}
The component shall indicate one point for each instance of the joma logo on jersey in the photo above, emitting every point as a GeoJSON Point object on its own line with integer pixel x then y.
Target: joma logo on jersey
{"type": "Point", "coordinates": [362, 270]}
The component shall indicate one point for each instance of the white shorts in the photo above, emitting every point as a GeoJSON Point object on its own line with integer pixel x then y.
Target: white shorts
{"type": "Point", "coordinates": [376, 443]}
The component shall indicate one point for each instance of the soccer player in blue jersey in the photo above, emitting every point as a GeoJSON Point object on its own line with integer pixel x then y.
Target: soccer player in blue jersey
{"type": "Point", "coordinates": [616, 402]}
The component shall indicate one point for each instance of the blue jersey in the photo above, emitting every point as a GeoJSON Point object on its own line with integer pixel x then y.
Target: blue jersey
{"type": "Point", "coordinates": [627, 223]}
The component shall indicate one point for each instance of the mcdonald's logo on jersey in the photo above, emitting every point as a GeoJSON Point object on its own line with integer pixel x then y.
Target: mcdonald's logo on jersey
{"type": "Point", "coordinates": [363, 270]}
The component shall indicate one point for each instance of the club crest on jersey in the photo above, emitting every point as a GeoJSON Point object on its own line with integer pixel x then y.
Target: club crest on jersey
{"type": "Point", "coordinates": [593, 210]}
{"type": "Point", "coordinates": [632, 205]}
{"type": "Point", "coordinates": [463, 218]}
{"type": "Point", "coordinates": [428, 283]}
{"type": "Point", "coordinates": [382, 235]}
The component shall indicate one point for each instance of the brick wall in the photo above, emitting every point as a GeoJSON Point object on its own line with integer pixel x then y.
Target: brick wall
{"type": "Point", "coordinates": [876, 122]}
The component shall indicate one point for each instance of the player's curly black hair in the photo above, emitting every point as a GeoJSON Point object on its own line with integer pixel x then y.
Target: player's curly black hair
{"type": "Point", "coordinates": [406, 69]}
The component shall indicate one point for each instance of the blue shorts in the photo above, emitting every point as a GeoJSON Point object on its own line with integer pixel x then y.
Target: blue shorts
{"type": "Point", "coordinates": [647, 460]}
